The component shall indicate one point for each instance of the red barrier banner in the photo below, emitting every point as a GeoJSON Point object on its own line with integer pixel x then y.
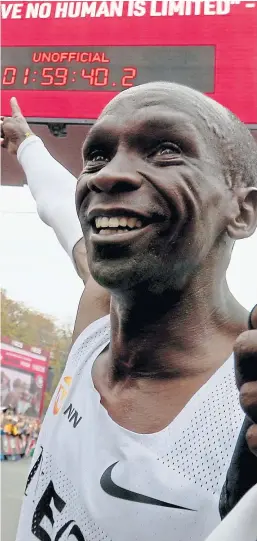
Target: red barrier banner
{"type": "Point", "coordinates": [23, 378]}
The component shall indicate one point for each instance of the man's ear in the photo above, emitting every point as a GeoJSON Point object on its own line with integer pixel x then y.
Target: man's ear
{"type": "Point", "coordinates": [244, 221]}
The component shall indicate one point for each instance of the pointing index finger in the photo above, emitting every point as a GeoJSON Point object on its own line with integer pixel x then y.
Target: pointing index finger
{"type": "Point", "coordinates": [15, 107]}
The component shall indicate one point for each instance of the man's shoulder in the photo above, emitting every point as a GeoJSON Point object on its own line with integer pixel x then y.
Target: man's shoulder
{"type": "Point", "coordinates": [93, 305]}
{"type": "Point", "coordinates": [92, 338]}
{"type": "Point", "coordinates": [76, 376]}
{"type": "Point", "coordinates": [96, 329]}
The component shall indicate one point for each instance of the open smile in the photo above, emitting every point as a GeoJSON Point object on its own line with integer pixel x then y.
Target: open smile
{"type": "Point", "coordinates": [118, 228]}
{"type": "Point", "coordinates": [119, 237]}
{"type": "Point", "coordinates": [118, 225]}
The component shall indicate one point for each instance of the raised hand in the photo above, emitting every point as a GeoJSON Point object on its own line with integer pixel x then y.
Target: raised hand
{"type": "Point", "coordinates": [242, 472]}
{"type": "Point", "coordinates": [246, 377]}
{"type": "Point", "coordinates": [14, 129]}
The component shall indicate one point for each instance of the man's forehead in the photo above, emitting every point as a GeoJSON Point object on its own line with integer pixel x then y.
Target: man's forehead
{"type": "Point", "coordinates": [144, 126]}
{"type": "Point", "coordinates": [159, 109]}
{"type": "Point", "coordinates": [148, 120]}
{"type": "Point", "coordinates": [204, 113]}
{"type": "Point", "coordinates": [170, 104]}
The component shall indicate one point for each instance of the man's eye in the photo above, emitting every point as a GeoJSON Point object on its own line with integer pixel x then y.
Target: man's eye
{"type": "Point", "coordinates": [167, 150]}
{"type": "Point", "coordinates": [95, 160]}
{"type": "Point", "coordinates": [97, 156]}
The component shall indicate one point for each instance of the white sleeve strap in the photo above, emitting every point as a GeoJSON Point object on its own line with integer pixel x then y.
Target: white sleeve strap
{"type": "Point", "coordinates": [53, 188]}
{"type": "Point", "coordinates": [241, 523]}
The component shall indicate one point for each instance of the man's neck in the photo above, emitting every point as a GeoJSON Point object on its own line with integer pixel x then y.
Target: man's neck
{"type": "Point", "coordinates": [173, 336]}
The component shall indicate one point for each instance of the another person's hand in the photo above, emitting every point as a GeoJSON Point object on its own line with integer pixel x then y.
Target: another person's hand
{"type": "Point", "coordinates": [14, 129]}
{"type": "Point", "coordinates": [246, 377]}
{"type": "Point", "coordinates": [242, 472]}
{"type": "Point", "coordinates": [238, 502]}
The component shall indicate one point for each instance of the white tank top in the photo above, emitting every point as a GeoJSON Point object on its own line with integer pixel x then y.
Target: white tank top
{"type": "Point", "coordinates": [92, 480]}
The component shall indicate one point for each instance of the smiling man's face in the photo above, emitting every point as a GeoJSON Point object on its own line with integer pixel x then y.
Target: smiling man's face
{"type": "Point", "coordinates": [151, 199]}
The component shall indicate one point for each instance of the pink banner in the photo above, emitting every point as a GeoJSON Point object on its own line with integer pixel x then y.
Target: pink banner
{"type": "Point", "coordinates": [23, 379]}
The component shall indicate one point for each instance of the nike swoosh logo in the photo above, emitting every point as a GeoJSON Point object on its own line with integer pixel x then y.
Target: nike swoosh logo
{"type": "Point", "coordinates": [108, 486]}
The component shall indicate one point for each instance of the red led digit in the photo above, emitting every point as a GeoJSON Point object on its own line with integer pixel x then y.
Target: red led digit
{"type": "Point", "coordinates": [47, 74]}
{"type": "Point", "coordinates": [9, 76]}
{"type": "Point", "coordinates": [126, 80]}
{"type": "Point", "coordinates": [90, 76]}
{"type": "Point", "coordinates": [26, 76]}
{"type": "Point", "coordinates": [98, 73]}
{"type": "Point", "coordinates": [62, 75]}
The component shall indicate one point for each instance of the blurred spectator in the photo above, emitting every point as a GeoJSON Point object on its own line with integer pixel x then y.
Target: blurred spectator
{"type": "Point", "coordinates": [25, 428]}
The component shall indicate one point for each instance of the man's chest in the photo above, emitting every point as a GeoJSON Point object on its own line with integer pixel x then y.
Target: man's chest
{"type": "Point", "coordinates": [126, 494]}
{"type": "Point", "coordinates": [93, 480]}
{"type": "Point", "coordinates": [143, 405]}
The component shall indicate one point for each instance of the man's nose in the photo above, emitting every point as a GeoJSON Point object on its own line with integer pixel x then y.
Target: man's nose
{"type": "Point", "coordinates": [119, 175]}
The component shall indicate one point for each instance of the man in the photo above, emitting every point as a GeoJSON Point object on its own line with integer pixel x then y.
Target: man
{"type": "Point", "coordinates": [141, 430]}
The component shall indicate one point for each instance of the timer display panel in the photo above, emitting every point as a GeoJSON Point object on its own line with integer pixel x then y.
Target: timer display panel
{"type": "Point", "coordinates": [210, 45]}
{"type": "Point", "coordinates": [106, 69]}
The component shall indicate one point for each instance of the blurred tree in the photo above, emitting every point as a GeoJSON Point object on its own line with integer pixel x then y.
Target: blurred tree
{"type": "Point", "coordinates": [21, 323]}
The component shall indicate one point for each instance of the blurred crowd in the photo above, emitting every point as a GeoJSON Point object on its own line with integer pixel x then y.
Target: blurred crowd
{"type": "Point", "coordinates": [17, 425]}
{"type": "Point", "coordinates": [19, 434]}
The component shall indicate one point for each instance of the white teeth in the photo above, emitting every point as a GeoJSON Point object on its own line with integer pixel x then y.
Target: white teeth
{"type": "Point", "coordinates": [104, 222]}
{"type": "Point", "coordinates": [110, 231]}
{"type": "Point", "coordinates": [104, 232]}
{"type": "Point", "coordinates": [123, 222]}
{"type": "Point", "coordinates": [132, 222]}
{"type": "Point", "coordinates": [114, 222]}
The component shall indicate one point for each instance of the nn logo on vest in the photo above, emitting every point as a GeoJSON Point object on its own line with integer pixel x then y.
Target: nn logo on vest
{"type": "Point", "coordinates": [61, 394]}
{"type": "Point", "coordinates": [73, 415]}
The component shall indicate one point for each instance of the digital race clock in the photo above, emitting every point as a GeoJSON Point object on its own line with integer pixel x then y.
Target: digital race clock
{"type": "Point", "coordinates": [106, 68]}
{"type": "Point", "coordinates": [66, 60]}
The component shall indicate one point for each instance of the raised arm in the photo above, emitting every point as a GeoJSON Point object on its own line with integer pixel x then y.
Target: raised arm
{"type": "Point", "coordinates": [51, 185]}
{"type": "Point", "coordinates": [53, 188]}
